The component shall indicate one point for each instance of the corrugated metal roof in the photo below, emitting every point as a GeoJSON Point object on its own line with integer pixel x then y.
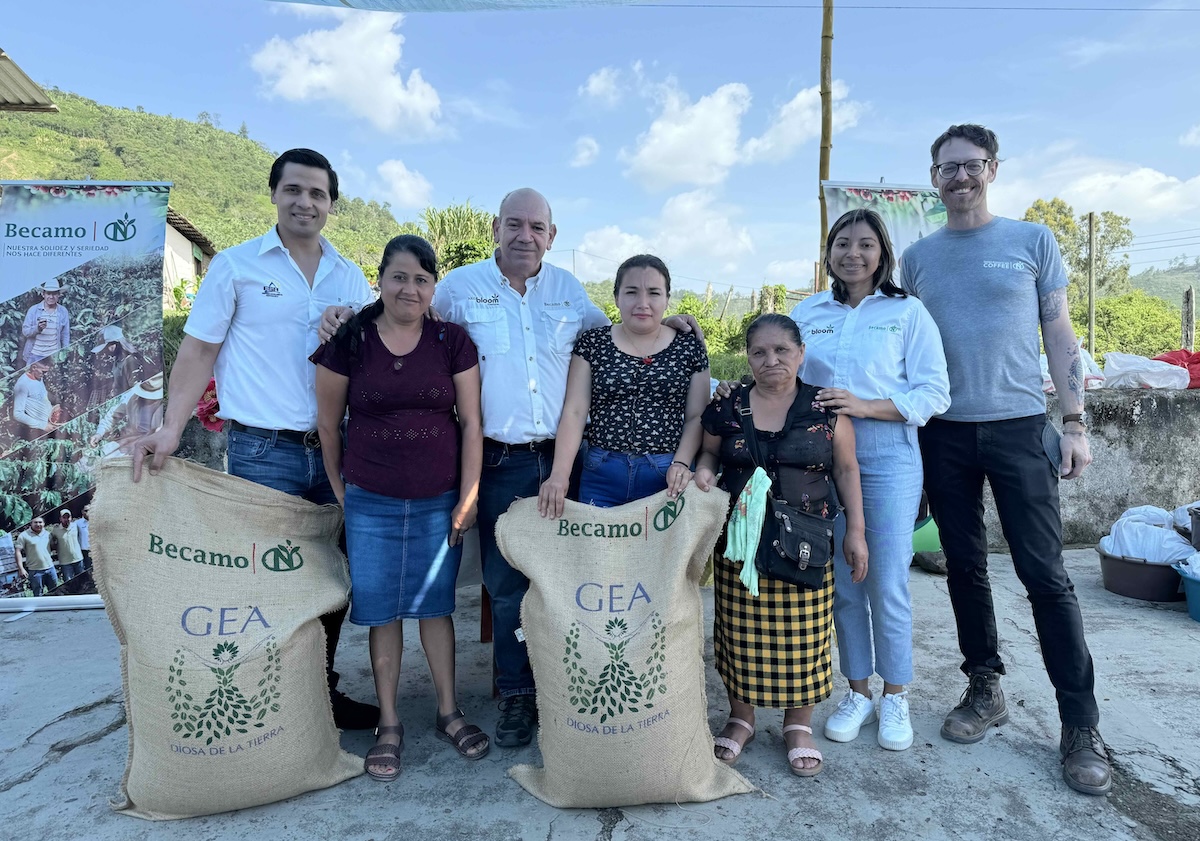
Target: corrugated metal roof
{"type": "Point", "coordinates": [18, 92]}
{"type": "Point", "coordinates": [180, 223]}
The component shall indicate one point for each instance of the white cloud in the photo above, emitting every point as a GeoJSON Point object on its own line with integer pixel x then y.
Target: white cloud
{"type": "Point", "coordinates": [1191, 137]}
{"type": "Point", "coordinates": [354, 66]}
{"type": "Point", "coordinates": [1142, 193]}
{"type": "Point", "coordinates": [698, 143]}
{"type": "Point", "coordinates": [1084, 51]}
{"type": "Point", "coordinates": [586, 151]}
{"type": "Point", "coordinates": [690, 143]}
{"type": "Point", "coordinates": [692, 227]}
{"type": "Point", "coordinates": [604, 85]}
{"type": "Point", "coordinates": [404, 187]}
{"type": "Point", "coordinates": [800, 120]}
{"type": "Point", "coordinates": [796, 274]}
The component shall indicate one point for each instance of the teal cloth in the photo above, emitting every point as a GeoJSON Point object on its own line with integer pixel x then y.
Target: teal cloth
{"type": "Point", "coordinates": [745, 527]}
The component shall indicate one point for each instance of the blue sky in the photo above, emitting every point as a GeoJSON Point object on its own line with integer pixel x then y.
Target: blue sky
{"type": "Point", "coordinates": [689, 132]}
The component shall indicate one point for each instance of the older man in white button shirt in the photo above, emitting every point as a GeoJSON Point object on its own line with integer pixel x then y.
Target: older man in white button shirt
{"type": "Point", "coordinates": [524, 316]}
{"type": "Point", "coordinates": [254, 324]}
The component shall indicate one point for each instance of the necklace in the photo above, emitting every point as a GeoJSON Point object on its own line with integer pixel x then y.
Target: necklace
{"type": "Point", "coordinates": [647, 358]}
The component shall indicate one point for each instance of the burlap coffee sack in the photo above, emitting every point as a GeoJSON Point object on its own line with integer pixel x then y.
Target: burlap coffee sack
{"type": "Point", "coordinates": [214, 586]}
{"type": "Point", "coordinates": [614, 627]}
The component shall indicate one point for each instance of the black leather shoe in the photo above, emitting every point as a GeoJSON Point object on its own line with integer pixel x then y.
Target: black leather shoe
{"type": "Point", "coordinates": [982, 706]}
{"type": "Point", "coordinates": [349, 714]}
{"type": "Point", "coordinates": [518, 720]}
{"type": "Point", "coordinates": [1085, 760]}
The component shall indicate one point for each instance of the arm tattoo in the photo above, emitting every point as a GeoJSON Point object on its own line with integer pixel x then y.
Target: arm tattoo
{"type": "Point", "coordinates": [1075, 379]}
{"type": "Point", "coordinates": [1052, 305]}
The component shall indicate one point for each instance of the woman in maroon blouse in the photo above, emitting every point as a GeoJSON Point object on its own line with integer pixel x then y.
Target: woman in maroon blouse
{"type": "Point", "coordinates": [408, 479]}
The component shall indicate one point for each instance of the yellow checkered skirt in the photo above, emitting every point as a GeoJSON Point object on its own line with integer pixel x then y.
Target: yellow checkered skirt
{"type": "Point", "coordinates": [773, 650]}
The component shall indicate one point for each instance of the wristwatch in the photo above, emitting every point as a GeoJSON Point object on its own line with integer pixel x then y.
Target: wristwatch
{"type": "Point", "coordinates": [1079, 418]}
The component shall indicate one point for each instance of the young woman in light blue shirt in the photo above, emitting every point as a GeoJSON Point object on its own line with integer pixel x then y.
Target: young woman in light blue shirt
{"type": "Point", "coordinates": [877, 356]}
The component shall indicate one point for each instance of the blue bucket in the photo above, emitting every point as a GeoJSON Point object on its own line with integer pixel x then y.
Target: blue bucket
{"type": "Point", "coordinates": [1191, 586]}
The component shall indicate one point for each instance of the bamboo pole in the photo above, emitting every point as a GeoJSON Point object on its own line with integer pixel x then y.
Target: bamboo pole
{"type": "Point", "coordinates": [725, 306]}
{"type": "Point", "coordinates": [826, 126]}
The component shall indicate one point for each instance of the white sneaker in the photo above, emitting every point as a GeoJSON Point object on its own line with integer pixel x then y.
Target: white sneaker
{"type": "Point", "coordinates": [895, 730]}
{"type": "Point", "coordinates": [854, 710]}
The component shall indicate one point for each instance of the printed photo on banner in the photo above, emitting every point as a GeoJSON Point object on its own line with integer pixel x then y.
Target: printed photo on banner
{"type": "Point", "coordinates": [81, 280]}
{"type": "Point", "coordinates": [910, 213]}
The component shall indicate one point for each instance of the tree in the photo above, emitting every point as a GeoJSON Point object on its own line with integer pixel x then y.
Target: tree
{"type": "Point", "coordinates": [1112, 235]}
{"type": "Point", "coordinates": [455, 223]}
{"type": "Point", "coordinates": [1132, 323]}
{"type": "Point", "coordinates": [464, 252]}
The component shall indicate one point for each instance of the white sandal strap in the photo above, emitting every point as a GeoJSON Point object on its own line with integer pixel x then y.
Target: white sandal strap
{"type": "Point", "coordinates": [791, 727]}
{"type": "Point", "coordinates": [745, 725]}
{"type": "Point", "coordinates": [729, 745]}
{"type": "Point", "coordinates": [805, 753]}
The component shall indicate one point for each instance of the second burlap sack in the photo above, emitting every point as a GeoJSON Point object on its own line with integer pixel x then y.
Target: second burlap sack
{"type": "Point", "coordinates": [614, 627]}
{"type": "Point", "coordinates": [214, 586]}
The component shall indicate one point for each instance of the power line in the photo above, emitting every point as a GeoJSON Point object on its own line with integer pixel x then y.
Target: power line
{"type": "Point", "coordinates": [907, 8]}
{"type": "Point", "coordinates": [1193, 241]}
{"type": "Point", "coordinates": [1154, 237]}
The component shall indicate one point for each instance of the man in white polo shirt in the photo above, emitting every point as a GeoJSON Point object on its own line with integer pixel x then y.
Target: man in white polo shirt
{"type": "Point", "coordinates": [524, 316]}
{"type": "Point", "coordinates": [254, 324]}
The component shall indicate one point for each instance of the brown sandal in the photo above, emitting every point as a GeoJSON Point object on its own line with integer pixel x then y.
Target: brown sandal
{"type": "Point", "coordinates": [385, 754]}
{"type": "Point", "coordinates": [465, 738]}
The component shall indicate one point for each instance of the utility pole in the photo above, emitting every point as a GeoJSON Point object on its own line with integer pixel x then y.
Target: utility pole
{"type": "Point", "coordinates": [1189, 319]}
{"type": "Point", "coordinates": [1091, 283]}
{"type": "Point", "coordinates": [826, 125]}
{"type": "Point", "coordinates": [573, 263]}
{"type": "Point", "coordinates": [725, 306]}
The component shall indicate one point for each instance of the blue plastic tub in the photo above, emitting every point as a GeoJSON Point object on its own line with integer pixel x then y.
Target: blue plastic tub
{"type": "Point", "coordinates": [1191, 586]}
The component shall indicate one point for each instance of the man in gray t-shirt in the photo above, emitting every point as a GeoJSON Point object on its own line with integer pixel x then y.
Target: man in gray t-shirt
{"type": "Point", "coordinates": [990, 284]}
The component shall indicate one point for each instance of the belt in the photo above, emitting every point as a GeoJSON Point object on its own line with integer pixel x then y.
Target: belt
{"type": "Point", "coordinates": [309, 439]}
{"type": "Point", "coordinates": [544, 446]}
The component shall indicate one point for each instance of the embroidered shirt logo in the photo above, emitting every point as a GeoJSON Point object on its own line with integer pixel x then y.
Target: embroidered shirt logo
{"type": "Point", "coordinates": [885, 328]}
{"type": "Point", "coordinates": [271, 290]}
{"type": "Point", "coordinates": [826, 329]}
{"type": "Point", "coordinates": [492, 301]}
{"type": "Point", "coordinates": [1015, 265]}
{"type": "Point", "coordinates": [557, 304]}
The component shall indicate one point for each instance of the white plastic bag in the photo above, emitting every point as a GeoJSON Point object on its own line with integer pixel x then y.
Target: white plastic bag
{"type": "Point", "coordinates": [1190, 568]}
{"type": "Point", "coordinates": [1126, 370]}
{"type": "Point", "coordinates": [1151, 515]}
{"type": "Point", "coordinates": [1093, 377]}
{"type": "Point", "coordinates": [1154, 545]}
{"type": "Point", "coordinates": [1181, 518]}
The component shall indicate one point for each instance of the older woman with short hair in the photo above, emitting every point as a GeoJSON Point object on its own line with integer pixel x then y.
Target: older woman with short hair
{"type": "Point", "coordinates": [773, 650]}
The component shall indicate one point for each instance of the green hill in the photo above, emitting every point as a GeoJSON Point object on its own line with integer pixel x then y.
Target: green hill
{"type": "Point", "coordinates": [1170, 283]}
{"type": "Point", "coordinates": [220, 177]}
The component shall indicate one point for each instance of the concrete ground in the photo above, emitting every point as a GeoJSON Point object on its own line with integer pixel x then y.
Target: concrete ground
{"type": "Point", "coordinates": [63, 746]}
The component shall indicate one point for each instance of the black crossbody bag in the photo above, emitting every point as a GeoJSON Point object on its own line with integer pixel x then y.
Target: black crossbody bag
{"type": "Point", "coordinates": [801, 544]}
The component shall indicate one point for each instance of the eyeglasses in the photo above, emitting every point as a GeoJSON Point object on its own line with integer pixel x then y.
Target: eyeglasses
{"type": "Point", "coordinates": [950, 169]}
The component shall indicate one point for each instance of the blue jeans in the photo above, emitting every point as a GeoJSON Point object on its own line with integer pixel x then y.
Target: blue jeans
{"type": "Point", "coordinates": [610, 479]}
{"type": "Point", "coordinates": [42, 578]}
{"type": "Point", "coordinates": [282, 465]}
{"type": "Point", "coordinates": [69, 571]}
{"type": "Point", "coordinates": [874, 617]}
{"type": "Point", "coordinates": [507, 477]}
{"type": "Point", "coordinates": [293, 469]}
{"type": "Point", "coordinates": [1009, 455]}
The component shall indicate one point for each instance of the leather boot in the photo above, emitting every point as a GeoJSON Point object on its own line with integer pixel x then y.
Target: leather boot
{"type": "Point", "coordinates": [1085, 760]}
{"type": "Point", "coordinates": [982, 706]}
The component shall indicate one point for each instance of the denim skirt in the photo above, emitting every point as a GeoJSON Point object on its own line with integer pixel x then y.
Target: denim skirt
{"type": "Point", "coordinates": [400, 564]}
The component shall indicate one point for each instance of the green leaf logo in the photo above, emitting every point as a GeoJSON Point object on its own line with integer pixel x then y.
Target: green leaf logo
{"type": "Point", "coordinates": [121, 230]}
{"type": "Point", "coordinates": [283, 558]}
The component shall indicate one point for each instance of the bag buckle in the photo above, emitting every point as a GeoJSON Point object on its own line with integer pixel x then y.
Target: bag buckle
{"type": "Point", "coordinates": [804, 553]}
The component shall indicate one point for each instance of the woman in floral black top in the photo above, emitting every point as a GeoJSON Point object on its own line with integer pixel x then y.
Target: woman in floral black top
{"type": "Point", "coordinates": [645, 386]}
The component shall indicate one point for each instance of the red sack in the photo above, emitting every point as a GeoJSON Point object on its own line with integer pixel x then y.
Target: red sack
{"type": "Point", "coordinates": [1184, 359]}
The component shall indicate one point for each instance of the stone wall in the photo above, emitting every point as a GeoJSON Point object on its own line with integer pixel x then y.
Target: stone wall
{"type": "Point", "coordinates": [1144, 446]}
{"type": "Point", "coordinates": [1144, 442]}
